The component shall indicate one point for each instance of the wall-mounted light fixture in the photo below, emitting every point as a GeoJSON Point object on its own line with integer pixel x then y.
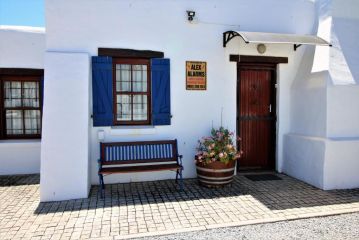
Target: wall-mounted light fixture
{"type": "Point", "coordinates": [191, 15]}
{"type": "Point", "coordinates": [261, 48]}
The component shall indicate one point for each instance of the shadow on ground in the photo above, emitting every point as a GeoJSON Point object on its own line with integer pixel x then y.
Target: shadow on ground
{"type": "Point", "coordinates": [287, 193]}
{"type": "Point", "coordinates": [18, 180]}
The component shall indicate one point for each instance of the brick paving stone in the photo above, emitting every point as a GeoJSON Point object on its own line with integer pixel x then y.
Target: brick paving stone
{"type": "Point", "coordinates": [152, 207]}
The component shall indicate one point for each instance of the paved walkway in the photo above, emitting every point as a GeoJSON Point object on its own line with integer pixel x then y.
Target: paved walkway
{"type": "Point", "coordinates": [148, 208]}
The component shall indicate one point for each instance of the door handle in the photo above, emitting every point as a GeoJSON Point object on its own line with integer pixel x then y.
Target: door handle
{"type": "Point", "coordinates": [270, 108]}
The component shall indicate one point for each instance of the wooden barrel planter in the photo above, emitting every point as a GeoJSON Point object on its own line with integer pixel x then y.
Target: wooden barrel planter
{"type": "Point", "coordinates": [215, 174]}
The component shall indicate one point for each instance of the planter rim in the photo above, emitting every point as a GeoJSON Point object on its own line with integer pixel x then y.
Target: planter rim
{"type": "Point", "coordinates": [217, 164]}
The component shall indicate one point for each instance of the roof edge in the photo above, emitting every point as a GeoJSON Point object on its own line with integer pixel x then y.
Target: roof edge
{"type": "Point", "coordinates": [22, 29]}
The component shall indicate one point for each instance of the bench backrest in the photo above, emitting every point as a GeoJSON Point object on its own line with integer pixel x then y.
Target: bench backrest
{"type": "Point", "coordinates": [138, 152]}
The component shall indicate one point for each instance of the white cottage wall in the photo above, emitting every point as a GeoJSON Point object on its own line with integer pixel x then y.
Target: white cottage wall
{"type": "Point", "coordinates": [304, 147]}
{"type": "Point", "coordinates": [21, 47]}
{"type": "Point", "coordinates": [324, 104]}
{"type": "Point", "coordinates": [65, 128]}
{"type": "Point", "coordinates": [19, 157]}
{"type": "Point", "coordinates": [342, 163]}
{"type": "Point", "coordinates": [86, 25]}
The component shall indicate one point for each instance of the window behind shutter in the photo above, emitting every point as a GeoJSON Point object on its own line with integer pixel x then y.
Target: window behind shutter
{"type": "Point", "coordinates": [42, 92]}
{"type": "Point", "coordinates": [41, 98]}
{"type": "Point", "coordinates": [102, 91]}
{"type": "Point", "coordinates": [161, 100]}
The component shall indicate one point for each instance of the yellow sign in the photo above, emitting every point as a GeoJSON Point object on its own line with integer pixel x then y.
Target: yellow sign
{"type": "Point", "coordinates": [196, 75]}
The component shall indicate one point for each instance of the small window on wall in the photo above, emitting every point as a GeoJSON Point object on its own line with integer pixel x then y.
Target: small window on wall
{"type": "Point", "coordinates": [132, 94]}
{"type": "Point", "coordinates": [20, 107]}
{"type": "Point", "coordinates": [131, 91]}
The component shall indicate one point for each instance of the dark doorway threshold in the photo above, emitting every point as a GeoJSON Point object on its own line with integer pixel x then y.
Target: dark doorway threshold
{"type": "Point", "coordinates": [262, 177]}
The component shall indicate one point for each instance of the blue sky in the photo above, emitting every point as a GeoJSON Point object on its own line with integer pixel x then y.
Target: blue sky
{"type": "Point", "coordinates": [22, 12]}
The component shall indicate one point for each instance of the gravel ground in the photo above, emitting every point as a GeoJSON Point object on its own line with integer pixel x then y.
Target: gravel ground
{"type": "Point", "coordinates": [333, 227]}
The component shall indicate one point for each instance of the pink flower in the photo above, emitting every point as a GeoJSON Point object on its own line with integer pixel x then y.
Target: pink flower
{"type": "Point", "coordinates": [220, 155]}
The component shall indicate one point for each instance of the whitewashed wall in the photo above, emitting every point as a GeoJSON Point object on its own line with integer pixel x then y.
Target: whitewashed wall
{"type": "Point", "coordinates": [21, 47]}
{"type": "Point", "coordinates": [322, 147]}
{"type": "Point", "coordinates": [161, 25]}
{"type": "Point", "coordinates": [65, 129]}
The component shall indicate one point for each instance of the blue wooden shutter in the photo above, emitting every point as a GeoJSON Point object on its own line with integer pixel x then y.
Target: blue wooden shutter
{"type": "Point", "coordinates": [102, 91]}
{"type": "Point", "coordinates": [161, 99]}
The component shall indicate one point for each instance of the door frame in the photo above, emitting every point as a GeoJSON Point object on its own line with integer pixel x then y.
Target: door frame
{"type": "Point", "coordinates": [266, 63]}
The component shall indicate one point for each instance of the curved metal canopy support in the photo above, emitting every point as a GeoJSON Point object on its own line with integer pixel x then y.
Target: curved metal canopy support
{"type": "Point", "coordinates": [227, 36]}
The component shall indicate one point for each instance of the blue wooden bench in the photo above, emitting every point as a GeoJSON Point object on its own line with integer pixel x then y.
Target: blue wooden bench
{"type": "Point", "coordinates": [146, 156]}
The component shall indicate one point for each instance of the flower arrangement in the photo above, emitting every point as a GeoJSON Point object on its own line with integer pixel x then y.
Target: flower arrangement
{"type": "Point", "coordinates": [217, 147]}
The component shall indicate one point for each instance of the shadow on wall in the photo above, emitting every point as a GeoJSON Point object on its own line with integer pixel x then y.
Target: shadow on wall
{"type": "Point", "coordinates": [344, 60]}
{"type": "Point", "coordinates": [342, 56]}
{"type": "Point", "coordinates": [304, 69]}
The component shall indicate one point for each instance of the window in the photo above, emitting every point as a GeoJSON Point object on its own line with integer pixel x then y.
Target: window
{"type": "Point", "coordinates": [20, 107]}
{"type": "Point", "coordinates": [132, 94]}
{"type": "Point", "coordinates": [131, 91]}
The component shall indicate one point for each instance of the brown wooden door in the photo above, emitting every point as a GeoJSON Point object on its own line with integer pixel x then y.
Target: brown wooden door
{"type": "Point", "coordinates": [256, 116]}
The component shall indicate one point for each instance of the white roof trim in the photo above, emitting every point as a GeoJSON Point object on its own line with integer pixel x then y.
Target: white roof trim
{"type": "Point", "coordinates": [22, 29]}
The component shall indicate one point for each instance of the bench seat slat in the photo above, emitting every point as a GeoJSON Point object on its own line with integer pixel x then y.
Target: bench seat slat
{"type": "Point", "coordinates": [114, 162]}
{"type": "Point", "coordinates": [148, 168]}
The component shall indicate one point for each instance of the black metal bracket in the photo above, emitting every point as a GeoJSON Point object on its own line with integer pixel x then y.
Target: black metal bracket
{"type": "Point", "coordinates": [227, 36]}
{"type": "Point", "coordinates": [296, 46]}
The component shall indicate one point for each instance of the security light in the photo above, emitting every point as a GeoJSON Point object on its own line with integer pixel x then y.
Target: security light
{"type": "Point", "coordinates": [191, 15]}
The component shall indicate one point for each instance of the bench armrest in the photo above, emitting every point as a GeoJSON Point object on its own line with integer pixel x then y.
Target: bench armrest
{"type": "Point", "coordinates": [180, 159]}
{"type": "Point", "coordinates": [99, 162]}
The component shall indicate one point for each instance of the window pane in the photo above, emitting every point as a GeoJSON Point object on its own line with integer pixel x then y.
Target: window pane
{"type": "Point", "coordinates": [139, 73]}
{"type": "Point", "coordinates": [12, 94]}
{"type": "Point", "coordinates": [139, 107]}
{"type": "Point", "coordinates": [123, 77]}
{"type": "Point", "coordinates": [32, 121]}
{"type": "Point", "coordinates": [31, 94]}
{"type": "Point", "coordinates": [124, 107]}
{"type": "Point", "coordinates": [14, 122]}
